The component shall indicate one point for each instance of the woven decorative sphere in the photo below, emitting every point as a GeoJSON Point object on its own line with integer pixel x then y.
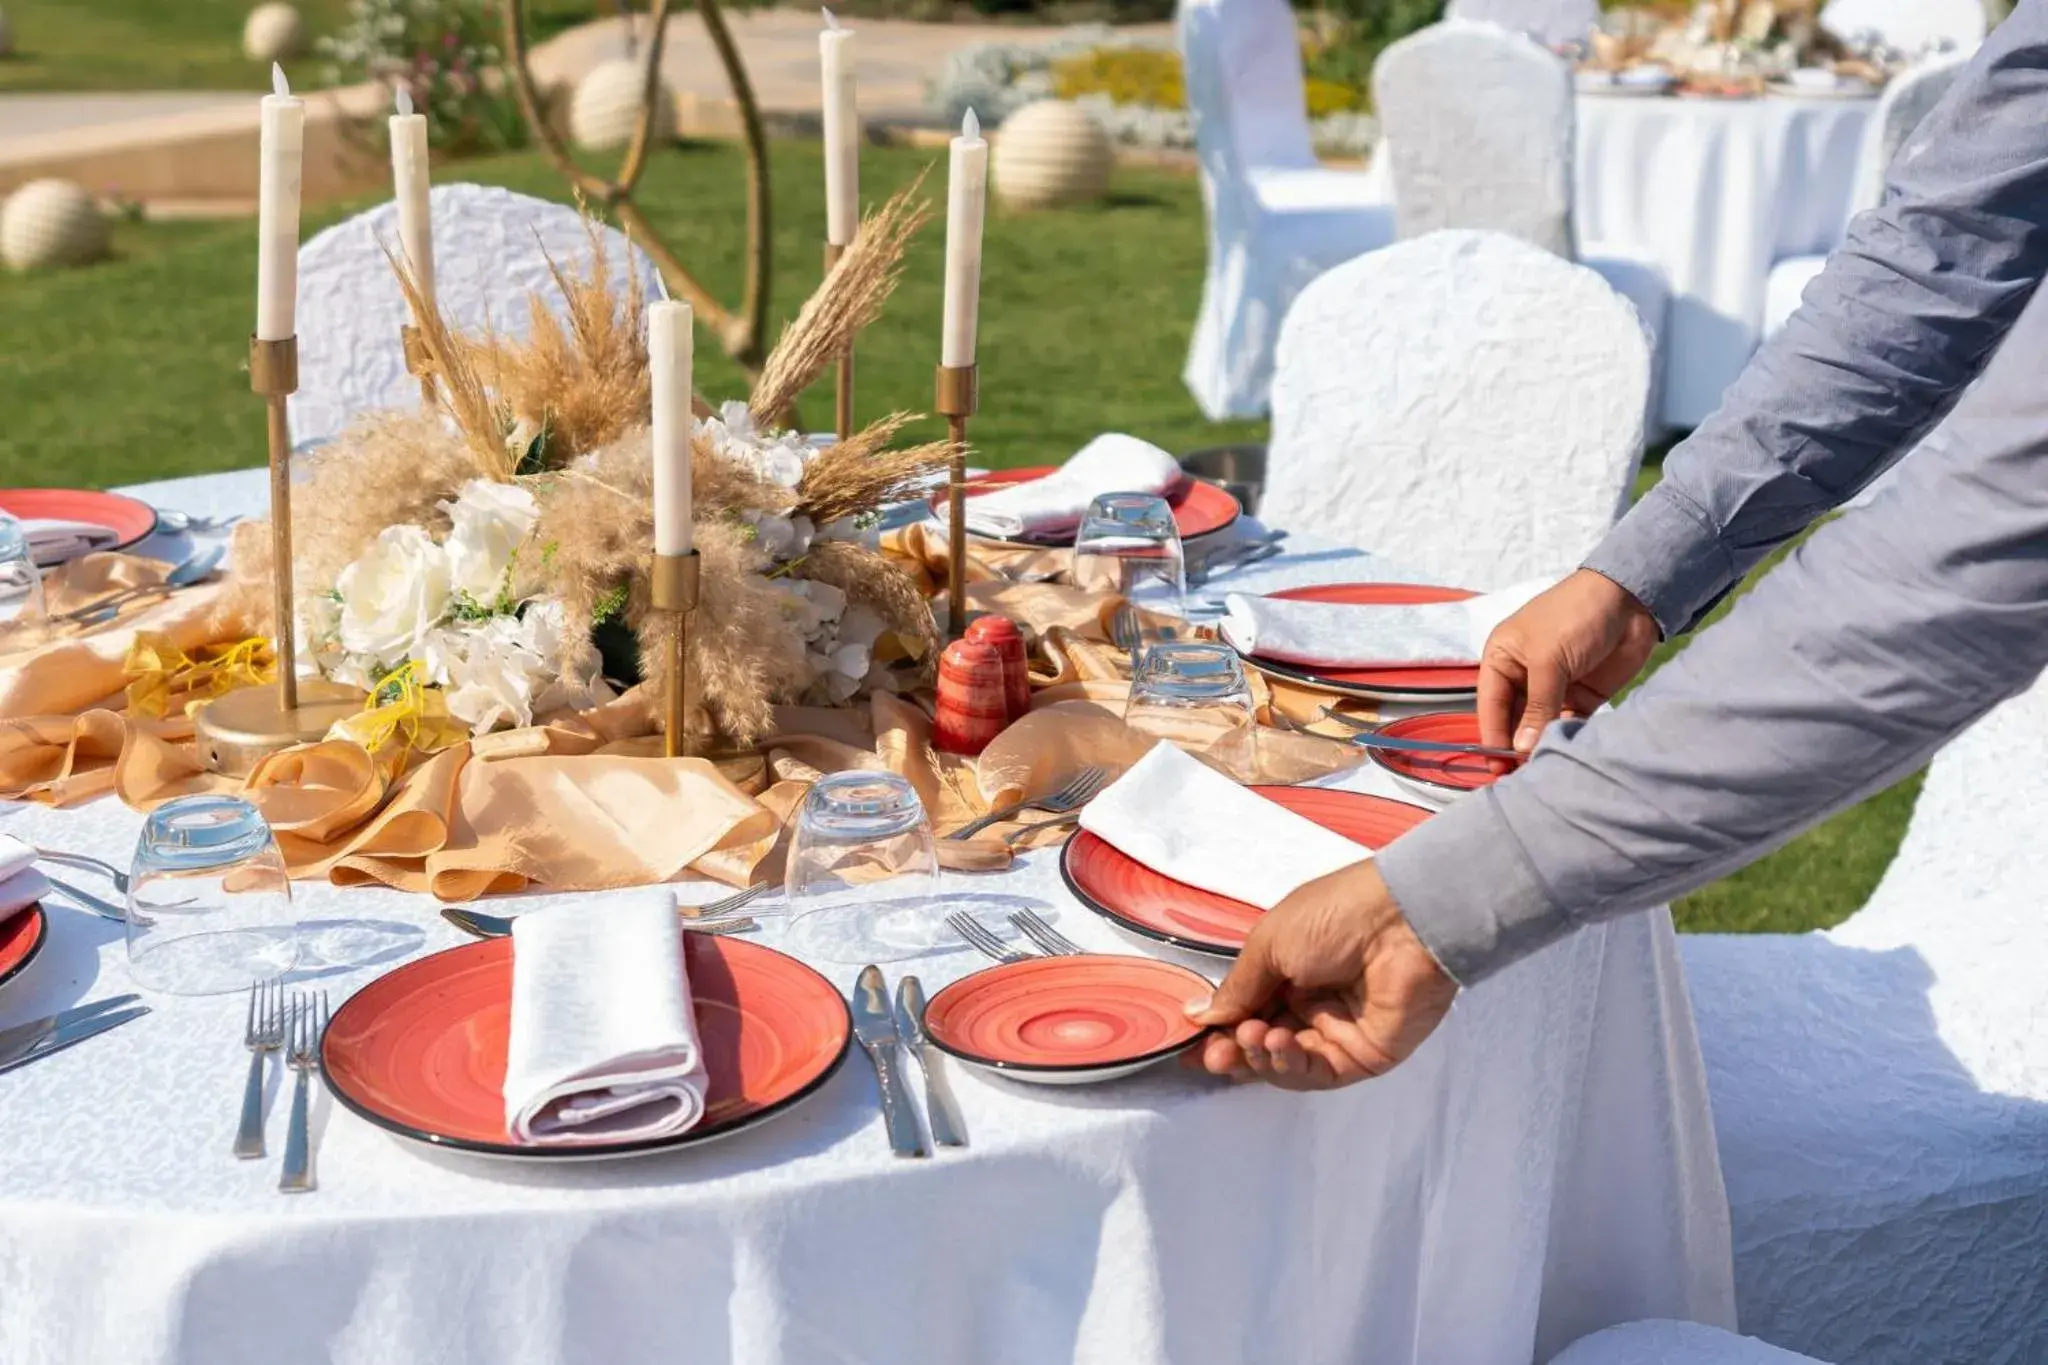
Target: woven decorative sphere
{"type": "Point", "coordinates": [605, 109]}
{"type": "Point", "coordinates": [6, 36]}
{"type": "Point", "coordinates": [51, 223]}
{"type": "Point", "coordinates": [1049, 154]}
{"type": "Point", "coordinates": [273, 33]}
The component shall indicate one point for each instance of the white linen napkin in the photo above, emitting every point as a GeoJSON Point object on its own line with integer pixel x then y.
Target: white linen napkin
{"type": "Point", "coordinates": [1184, 820]}
{"type": "Point", "coordinates": [1111, 463]}
{"type": "Point", "coordinates": [56, 542]}
{"type": "Point", "coordinates": [20, 891]}
{"type": "Point", "coordinates": [1343, 635]}
{"type": "Point", "coordinates": [16, 855]}
{"type": "Point", "coordinates": [604, 1044]}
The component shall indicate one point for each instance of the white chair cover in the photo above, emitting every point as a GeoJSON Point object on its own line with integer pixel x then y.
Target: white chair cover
{"type": "Point", "coordinates": [1277, 218]}
{"type": "Point", "coordinates": [1550, 22]}
{"type": "Point", "coordinates": [1880, 1090]}
{"type": "Point", "coordinates": [1912, 26]}
{"type": "Point", "coordinates": [1665, 1342]}
{"type": "Point", "coordinates": [1465, 403]}
{"type": "Point", "coordinates": [491, 250]}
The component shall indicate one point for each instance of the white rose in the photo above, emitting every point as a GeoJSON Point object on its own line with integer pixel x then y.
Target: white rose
{"type": "Point", "coordinates": [491, 521]}
{"type": "Point", "coordinates": [393, 595]}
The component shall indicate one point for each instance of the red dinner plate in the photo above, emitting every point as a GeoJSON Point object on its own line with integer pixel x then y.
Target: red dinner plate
{"type": "Point", "coordinates": [421, 1051]}
{"type": "Point", "coordinates": [1200, 508]}
{"type": "Point", "coordinates": [130, 519]}
{"type": "Point", "coordinates": [21, 938]}
{"type": "Point", "coordinates": [1396, 684]}
{"type": "Point", "coordinates": [1068, 1014]}
{"type": "Point", "coordinates": [1126, 892]}
{"type": "Point", "coordinates": [1437, 774]}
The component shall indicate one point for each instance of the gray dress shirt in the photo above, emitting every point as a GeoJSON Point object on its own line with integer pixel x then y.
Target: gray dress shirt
{"type": "Point", "coordinates": [1883, 635]}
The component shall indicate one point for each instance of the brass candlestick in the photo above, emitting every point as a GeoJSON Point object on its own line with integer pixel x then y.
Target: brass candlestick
{"type": "Point", "coordinates": [239, 729]}
{"type": "Point", "coordinates": [958, 396]}
{"type": "Point", "coordinates": [842, 392]}
{"type": "Point", "coordinates": [418, 363]}
{"type": "Point", "coordinates": [675, 593]}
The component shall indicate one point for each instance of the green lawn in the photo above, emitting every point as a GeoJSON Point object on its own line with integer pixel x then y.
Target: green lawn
{"type": "Point", "coordinates": [132, 370]}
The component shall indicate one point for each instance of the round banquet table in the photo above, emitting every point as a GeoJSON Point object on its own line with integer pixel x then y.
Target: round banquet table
{"type": "Point", "coordinates": [1542, 1168]}
{"type": "Point", "coordinates": [1715, 192]}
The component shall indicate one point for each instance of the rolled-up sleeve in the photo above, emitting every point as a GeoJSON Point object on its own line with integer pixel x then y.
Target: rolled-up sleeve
{"type": "Point", "coordinates": [1888, 336]}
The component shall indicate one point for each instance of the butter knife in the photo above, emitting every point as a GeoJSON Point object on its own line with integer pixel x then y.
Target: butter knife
{"type": "Point", "coordinates": [948, 1129]}
{"type": "Point", "coordinates": [875, 1025]}
{"type": "Point", "coordinates": [60, 1036]}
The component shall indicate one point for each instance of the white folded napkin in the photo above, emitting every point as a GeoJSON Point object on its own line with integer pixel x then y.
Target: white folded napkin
{"type": "Point", "coordinates": [1185, 820]}
{"type": "Point", "coordinates": [16, 855]}
{"type": "Point", "coordinates": [604, 1044]}
{"type": "Point", "coordinates": [1055, 504]}
{"type": "Point", "coordinates": [20, 891]}
{"type": "Point", "coordinates": [1344, 635]}
{"type": "Point", "coordinates": [55, 542]}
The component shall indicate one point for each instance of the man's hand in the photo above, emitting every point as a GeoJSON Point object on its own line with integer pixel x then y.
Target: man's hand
{"type": "Point", "coordinates": [1332, 987]}
{"type": "Point", "coordinates": [1565, 653]}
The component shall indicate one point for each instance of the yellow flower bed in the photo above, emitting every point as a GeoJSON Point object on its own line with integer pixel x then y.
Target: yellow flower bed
{"type": "Point", "coordinates": [1152, 77]}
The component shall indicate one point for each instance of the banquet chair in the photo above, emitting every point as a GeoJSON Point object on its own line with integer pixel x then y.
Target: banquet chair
{"type": "Point", "coordinates": [1276, 217]}
{"type": "Point", "coordinates": [491, 253]}
{"type": "Point", "coordinates": [1552, 23]}
{"type": "Point", "coordinates": [1880, 1090]}
{"type": "Point", "coordinates": [1466, 404]}
{"type": "Point", "coordinates": [1663, 1342]}
{"type": "Point", "coordinates": [1906, 101]}
{"type": "Point", "coordinates": [1478, 127]}
{"type": "Point", "coordinates": [1913, 27]}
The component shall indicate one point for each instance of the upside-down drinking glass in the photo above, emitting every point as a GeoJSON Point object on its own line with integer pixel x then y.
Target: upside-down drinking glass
{"type": "Point", "coordinates": [1129, 545]}
{"type": "Point", "coordinates": [21, 584]}
{"type": "Point", "coordinates": [209, 906]}
{"type": "Point", "coordinates": [1196, 696]}
{"type": "Point", "coordinates": [862, 876]}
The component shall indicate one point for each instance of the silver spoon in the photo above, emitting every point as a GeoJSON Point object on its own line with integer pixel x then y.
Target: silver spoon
{"type": "Point", "coordinates": [196, 567]}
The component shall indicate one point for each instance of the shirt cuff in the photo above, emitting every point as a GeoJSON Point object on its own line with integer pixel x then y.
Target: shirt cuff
{"type": "Point", "coordinates": [1668, 555]}
{"type": "Point", "coordinates": [1469, 890]}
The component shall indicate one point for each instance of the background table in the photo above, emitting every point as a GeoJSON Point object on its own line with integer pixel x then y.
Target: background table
{"type": "Point", "coordinates": [1715, 192]}
{"type": "Point", "coordinates": [1542, 1168]}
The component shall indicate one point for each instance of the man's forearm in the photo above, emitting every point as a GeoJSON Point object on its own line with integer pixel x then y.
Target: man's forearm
{"type": "Point", "coordinates": [1906, 314]}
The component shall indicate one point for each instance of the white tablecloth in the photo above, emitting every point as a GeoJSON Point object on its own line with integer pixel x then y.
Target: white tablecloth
{"type": "Point", "coordinates": [1542, 1168]}
{"type": "Point", "coordinates": [1715, 192]}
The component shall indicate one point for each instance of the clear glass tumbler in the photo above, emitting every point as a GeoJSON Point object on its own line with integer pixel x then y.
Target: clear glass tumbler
{"type": "Point", "coordinates": [862, 876]}
{"type": "Point", "coordinates": [21, 587]}
{"type": "Point", "coordinates": [1196, 696]}
{"type": "Point", "coordinates": [1128, 544]}
{"type": "Point", "coordinates": [209, 905]}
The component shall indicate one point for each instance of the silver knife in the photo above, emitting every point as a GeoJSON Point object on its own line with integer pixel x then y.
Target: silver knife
{"type": "Point", "coordinates": [948, 1129]}
{"type": "Point", "coordinates": [875, 1025]}
{"type": "Point", "coordinates": [1402, 745]}
{"type": "Point", "coordinates": [64, 1035]}
{"type": "Point", "coordinates": [21, 1037]}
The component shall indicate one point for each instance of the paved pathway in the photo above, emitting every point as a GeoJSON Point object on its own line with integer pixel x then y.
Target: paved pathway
{"type": "Point", "coordinates": [30, 115]}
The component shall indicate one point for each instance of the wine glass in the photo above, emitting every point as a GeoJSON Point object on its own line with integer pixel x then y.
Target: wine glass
{"type": "Point", "coordinates": [209, 905]}
{"type": "Point", "coordinates": [1196, 696]}
{"type": "Point", "coordinates": [862, 874]}
{"type": "Point", "coordinates": [22, 582]}
{"type": "Point", "coordinates": [1129, 545]}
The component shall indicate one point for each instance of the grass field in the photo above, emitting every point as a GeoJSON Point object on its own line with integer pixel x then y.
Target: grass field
{"type": "Point", "coordinates": [133, 370]}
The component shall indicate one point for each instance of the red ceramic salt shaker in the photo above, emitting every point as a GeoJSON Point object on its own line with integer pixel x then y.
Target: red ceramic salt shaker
{"type": "Point", "coordinates": [1002, 632]}
{"type": "Point", "coordinates": [972, 708]}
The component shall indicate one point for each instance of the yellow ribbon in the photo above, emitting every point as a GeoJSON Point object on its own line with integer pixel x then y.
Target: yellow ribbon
{"type": "Point", "coordinates": [402, 716]}
{"type": "Point", "coordinates": [160, 673]}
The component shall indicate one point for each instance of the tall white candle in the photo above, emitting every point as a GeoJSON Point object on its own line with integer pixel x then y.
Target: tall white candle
{"type": "Point", "coordinates": [277, 210]}
{"type": "Point", "coordinates": [966, 204]}
{"type": "Point", "coordinates": [669, 354]}
{"type": "Point", "coordinates": [842, 133]}
{"type": "Point", "coordinates": [409, 186]}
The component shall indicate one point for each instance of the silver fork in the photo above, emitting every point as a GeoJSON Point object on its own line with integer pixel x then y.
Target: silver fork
{"type": "Point", "coordinates": [1034, 927]}
{"type": "Point", "coordinates": [262, 1035]}
{"type": "Point", "coordinates": [1019, 835]}
{"type": "Point", "coordinates": [1127, 633]}
{"type": "Point", "coordinates": [89, 863]}
{"type": "Point", "coordinates": [1080, 789]}
{"type": "Point", "coordinates": [983, 940]}
{"type": "Point", "coordinates": [309, 1021]}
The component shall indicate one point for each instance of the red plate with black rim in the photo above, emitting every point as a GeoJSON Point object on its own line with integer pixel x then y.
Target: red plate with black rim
{"type": "Point", "coordinates": [1062, 1020]}
{"type": "Point", "coordinates": [421, 1051]}
{"type": "Point", "coordinates": [21, 938]}
{"type": "Point", "coordinates": [130, 519]}
{"type": "Point", "coordinates": [1437, 777]}
{"type": "Point", "coordinates": [1200, 508]}
{"type": "Point", "coordinates": [1378, 684]}
{"type": "Point", "coordinates": [1132, 896]}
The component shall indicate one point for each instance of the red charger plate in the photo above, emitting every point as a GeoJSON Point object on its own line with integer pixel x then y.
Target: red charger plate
{"type": "Point", "coordinates": [1200, 508]}
{"type": "Point", "coordinates": [21, 938]}
{"type": "Point", "coordinates": [130, 519]}
{"type": "Point", "coordinates": [1396, 684]}
{"type": "Point", "coordinates": [421, 1051]}
{"type": "Point", "coordinates": [1133, 896]}
{"type": "Point", "coordinates": [1441, 774]}
{"type": "Point", "coordinates": [1068, 1014]}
